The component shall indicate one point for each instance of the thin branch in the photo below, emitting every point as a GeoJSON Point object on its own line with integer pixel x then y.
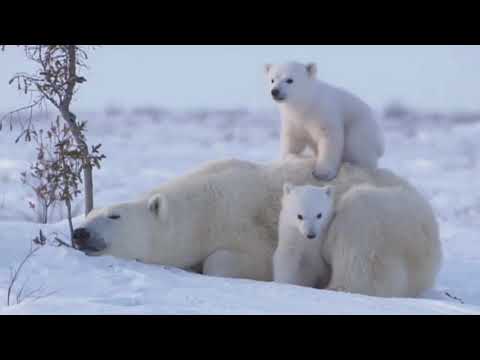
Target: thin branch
{"type": "Point", "coordinates": [20, 292]}
{"type": "Point", "coordinates": [36, 298]}
{"type": "Point", "coordinates": [32, 292]}
{"type": "Point", "coordinates": [454, 297]}
{"type": "Point", "coordinates": [28, 107]}
{"type": "Point", "coordinates": [61, 242]}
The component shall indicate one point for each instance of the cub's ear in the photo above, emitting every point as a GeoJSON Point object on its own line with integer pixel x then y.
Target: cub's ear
{"type": "Point", "coordinates": [329, 190]}
{"type": "Point", "coordinates": [267, 68]}
{"type": "Point", "coordinates": [312, 69]}
{"type": "Point", "coordinates": [287, 188]}
{"type": "Point", "coordinates": [157, 204]}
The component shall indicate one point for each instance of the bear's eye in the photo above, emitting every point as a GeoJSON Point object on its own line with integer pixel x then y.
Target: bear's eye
{"type": "Point", "coordinates": [273, 80]}
{"type": "Point", "coordinates": [300, 217]}
{"type": "Point", "coordinates": [114, 217]}
{"type": "Point", "coordinates": [319, 216]}
{"type": "Point", "coordinates": [289, 81]}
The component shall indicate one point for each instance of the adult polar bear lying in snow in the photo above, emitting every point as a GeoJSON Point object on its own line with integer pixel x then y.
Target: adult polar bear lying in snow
{"type": "Point", "coordinates": [222, 221]}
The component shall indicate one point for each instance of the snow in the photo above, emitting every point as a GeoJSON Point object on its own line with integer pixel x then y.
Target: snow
{"type": "Point", "coordinates": [148, 146]}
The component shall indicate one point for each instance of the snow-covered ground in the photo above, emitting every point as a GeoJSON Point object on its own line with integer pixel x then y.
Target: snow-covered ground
{"type": "Point", "coordinates": [145, 147]}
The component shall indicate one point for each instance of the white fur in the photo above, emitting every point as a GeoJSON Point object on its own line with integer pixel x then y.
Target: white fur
{"type": "Point", "coordinates": [304, 219]}
{"type": "Point", "coordinates": [383, 242]}
{"type": "Point", "coordinates": [335, 124]}
{"type": "Point", "coordinates": [222, 220]}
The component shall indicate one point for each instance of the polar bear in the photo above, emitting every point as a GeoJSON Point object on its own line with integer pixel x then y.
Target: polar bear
{"type": "Point", "coordinates": [366, 260]}
{"type": "Point", "coordinates": [221, 220]}
{"type": "Point", "coordinates": [335, 124]}
{"type": "Point", "coordinates": [304, 218]}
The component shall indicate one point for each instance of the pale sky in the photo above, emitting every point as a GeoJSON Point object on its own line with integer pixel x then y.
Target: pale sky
{"type": "Point", "coordinates": [444, 78]}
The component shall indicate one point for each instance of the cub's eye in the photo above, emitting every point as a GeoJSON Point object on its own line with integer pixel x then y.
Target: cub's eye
{"type": "Point", "coordinates": [289, 81]}
{"type": "Point", "coordinates": [300, 217]}
{"type": "Point", "coordinates": [114, 217]}
{"type": "Point", "coordinates": [273, 80]}
{"type": "Point", "coordinates": [319, 216]}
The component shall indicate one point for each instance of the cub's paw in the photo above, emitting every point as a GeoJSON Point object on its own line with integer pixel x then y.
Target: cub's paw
{"type": "Point", "coordinates": [323, 174]}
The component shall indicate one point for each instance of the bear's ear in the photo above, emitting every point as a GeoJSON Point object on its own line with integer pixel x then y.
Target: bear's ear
{"type": "Point", "coordinates": [267, 68]}
{"type": "Point", "coordinates": [329, 190]}
{"type": "Point", "coordinates": [312, 70]}
{"type": "Point", "coordinates": [157, 204]}
{"type": "Point", "coordinates": [287, 188]}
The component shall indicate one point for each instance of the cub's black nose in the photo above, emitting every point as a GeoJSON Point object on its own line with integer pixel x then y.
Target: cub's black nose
{"type": "Point", "coordinates": [311, 236]}
{"type": "Point", "coordinates": [275, 93]}
{"type": "Point", "coordinates": [80, 237]}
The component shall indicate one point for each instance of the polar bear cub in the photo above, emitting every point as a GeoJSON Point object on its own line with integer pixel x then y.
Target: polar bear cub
{"type": "Point", "coordinates": [304, 218]}
{"type": "Point", "coordinates": [336, 125]}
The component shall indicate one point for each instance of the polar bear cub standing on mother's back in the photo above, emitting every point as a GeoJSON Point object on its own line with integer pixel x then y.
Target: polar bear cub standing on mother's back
{"type": "Point", "coordinates": [304, 219]}
{"type": "Point", "coordinates": [336, 125]}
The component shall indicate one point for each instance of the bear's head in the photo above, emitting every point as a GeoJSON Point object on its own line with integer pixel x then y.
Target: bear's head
{"type": "Point", "coordinates": [127, 228]}
{"type": "Point", "coordinates": [290, 82]}
{"type": "Point", "coordinates": [308, 208]}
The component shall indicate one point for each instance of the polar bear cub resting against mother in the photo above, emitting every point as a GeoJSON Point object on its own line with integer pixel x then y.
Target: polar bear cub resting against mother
{"type": "Point", "coordinates": [304, 219]}
{"type": "Point", "coordinates": [336, 125]}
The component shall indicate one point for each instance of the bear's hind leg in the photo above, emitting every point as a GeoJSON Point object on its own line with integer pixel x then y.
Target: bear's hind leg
{"type": "Point", "coordinates": [372, 276]}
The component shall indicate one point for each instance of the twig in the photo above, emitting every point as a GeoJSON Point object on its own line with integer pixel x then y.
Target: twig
{"type": "Point", "coordinates": [35, 293]}
{"type": "Point", "coordinates": [15, 273]}
{"type": "Point", "coordinates": [454, 297]}
{"type": "Point", "coordinates": [28, 107]}
{"type": "Point", "coordinates": [20, 292]}
{"type": "Point", "coordinates": [61, 242]}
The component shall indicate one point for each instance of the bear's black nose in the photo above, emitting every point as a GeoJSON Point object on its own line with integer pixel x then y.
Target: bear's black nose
{"type": "Point", "coordinates": [80, 237]}
{"type": "Point", "coordinates": [311, 236]}
{"type": "Point", "coordinates": [275, 93]}
{"type": "Point", "coordinates": [81, 233]}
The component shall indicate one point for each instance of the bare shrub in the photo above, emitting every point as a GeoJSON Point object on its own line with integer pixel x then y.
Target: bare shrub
{"type": "Point", "coordinates": [56, 82]}
{"type": "Point", "coordinates": [20, 293]}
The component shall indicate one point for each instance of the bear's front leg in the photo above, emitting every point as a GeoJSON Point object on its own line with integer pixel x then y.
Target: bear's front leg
{"type": "Point", "coordinates": [292, 145]}
{"type": "Point", "coordinates": [293, 269]}
{"type": "Point", "coordinates": [330, 142]}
